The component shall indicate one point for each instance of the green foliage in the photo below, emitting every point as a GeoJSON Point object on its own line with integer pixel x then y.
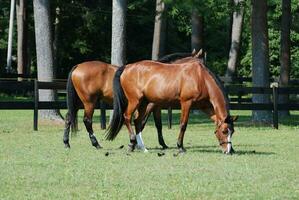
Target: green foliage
{"type": "Point", "coordinates": [84, 32]}
{"type": "Point", "coordinates": [274, 22]}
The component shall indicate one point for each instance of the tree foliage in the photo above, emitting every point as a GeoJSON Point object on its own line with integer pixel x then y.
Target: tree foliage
{"type": "Point", "coordinates": [85, 32]}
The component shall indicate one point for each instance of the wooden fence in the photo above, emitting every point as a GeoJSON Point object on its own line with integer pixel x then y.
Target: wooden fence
{"type": "Point", "coordinates": [236, 103]}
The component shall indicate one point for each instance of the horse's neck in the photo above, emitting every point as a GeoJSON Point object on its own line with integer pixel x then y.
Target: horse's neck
{"type": "Point", "coordinates": [219, 110]}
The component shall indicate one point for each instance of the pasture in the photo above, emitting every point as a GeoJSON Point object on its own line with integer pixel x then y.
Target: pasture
{"type": "Point", "coordinates": [35, 165]}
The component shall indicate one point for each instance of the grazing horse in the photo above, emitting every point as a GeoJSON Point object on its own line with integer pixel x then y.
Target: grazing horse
{"type": "Point", "coordinates": [90, 82]}
{"type": "Point", "coordinates": [186, 82]}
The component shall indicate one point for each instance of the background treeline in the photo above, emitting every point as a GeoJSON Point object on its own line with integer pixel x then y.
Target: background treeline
{"type": "Point", "coordinates": [82, 31]}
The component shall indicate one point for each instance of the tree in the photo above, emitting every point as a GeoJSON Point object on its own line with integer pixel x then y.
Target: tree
{"type": "Point", "coordinates": [285, 60]}
{"type": "Point", "coordinates": [260, 57]}
{"type": "Point", "coordinates": [44, 53]}
{"type": "Point", "coordinates": [118, 41]}
{"type": "Point", "coordinates": [22, 36]}
{"type": "Point", "coordinates": [196, 31]}
{"type": "Point", "coordinates": [56, 38]}
{"type": "Point", "coordinates": [159, 31]}
{"type": "Point", "coordinates": [10, 34]}
{"type": "Point", "coordinates": [118, 46]}
{"type": "Point", "coordinates": [238, 15]}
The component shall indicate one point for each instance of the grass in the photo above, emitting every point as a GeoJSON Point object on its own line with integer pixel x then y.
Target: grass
{"type": "Point", "coordinates": [35, 165]}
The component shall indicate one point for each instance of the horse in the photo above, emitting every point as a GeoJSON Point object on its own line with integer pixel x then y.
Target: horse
{"type": "Point", "coordinates": [90, 82]}
{"type": "Point", "coordinates": [187, 82]}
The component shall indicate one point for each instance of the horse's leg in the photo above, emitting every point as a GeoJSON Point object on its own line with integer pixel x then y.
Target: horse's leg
{"type": "Point", "coordinates": [88, 113]}
{"type": "Point", "coordinates": [66, 135]}
{"type": "Point", "coordinates": [139, 125]}
{"type": "Point", "coordinates": [149, 109]}
{"type": "Point", "coordinates": [158, 124]}
{"type": "Point", "coordinates": [132, 105]}
{"type": "Point", "coordinates": [185, 110]}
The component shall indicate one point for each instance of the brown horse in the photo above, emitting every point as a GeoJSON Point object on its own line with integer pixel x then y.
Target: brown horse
{"type": "Point", "coordinates": [186, 83]}
{"type": "Point", "coordinates": [90, 82]}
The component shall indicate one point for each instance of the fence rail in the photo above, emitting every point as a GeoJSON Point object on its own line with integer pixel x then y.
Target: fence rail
{"type": "Point", "coordinates": [236, 103]}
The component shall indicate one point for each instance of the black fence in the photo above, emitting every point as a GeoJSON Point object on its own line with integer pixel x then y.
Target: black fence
{"type": "Point", "coordinates": [240, 99]}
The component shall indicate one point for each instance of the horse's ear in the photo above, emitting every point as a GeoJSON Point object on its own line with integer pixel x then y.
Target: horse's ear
{"type": "Point", "coordinates": [193, 53]}
{"type": "Point", "coordinates": [199, 54]}
{"type": "Point", "coordinates": [234, 118]}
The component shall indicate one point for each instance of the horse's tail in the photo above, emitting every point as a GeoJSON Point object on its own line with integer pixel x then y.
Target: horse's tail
{"type": "Point", "coordinates": [72, 103]}
{"type": "Point", "coordinates": [120, 103]}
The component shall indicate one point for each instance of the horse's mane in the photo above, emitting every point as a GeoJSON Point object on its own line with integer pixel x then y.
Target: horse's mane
{"type": "Point", "coordinates": [220, 84]}
{"type": "Point", "coordinates": [173, 57]}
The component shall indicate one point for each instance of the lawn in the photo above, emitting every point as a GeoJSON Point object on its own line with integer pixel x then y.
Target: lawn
{"type": "Point", "coordinates": [35, 165]}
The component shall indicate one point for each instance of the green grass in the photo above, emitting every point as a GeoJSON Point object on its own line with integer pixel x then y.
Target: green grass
{"type": "Point", "coordinates": [35, 165]}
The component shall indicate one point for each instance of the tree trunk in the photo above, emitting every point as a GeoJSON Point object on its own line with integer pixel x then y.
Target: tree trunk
{"type": "Point", "coordinates": [238, 16]}
{"type": "Point", "coordinates": [10, 34]}
{"type": "Point", "coordinates": [44, 54]}
{"type": "Point", "coordinates": [118, 41]}
{"type": "Point", "coordinates": [260, 57]}
{"type": "Point", "coordinates": [285, 61]}
{"type": "Point", "coordinates": [118, 46]}
{"type": "Point", "coordinates": [22, 36]}
{"type": "Point", "coordinates": [197, 31]}
{"type": "Point", "coordinates": [158, 48]}
{"type": "Point", "coordinates": [56, 38]}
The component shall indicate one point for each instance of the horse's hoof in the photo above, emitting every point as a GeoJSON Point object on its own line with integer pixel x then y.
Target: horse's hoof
{"type": "Point", "coordinates": [98, 146]}
{"type": "Point", "coordinates": [141, 148]}
{"type": "Point", "coordinates": [131, 147]}
{"type": "Point", "coordinates": [182, 150]}
{"type": "Point", "coordinates": [67, 145]}
{"type": "Point", "coordinates": [164, 147]}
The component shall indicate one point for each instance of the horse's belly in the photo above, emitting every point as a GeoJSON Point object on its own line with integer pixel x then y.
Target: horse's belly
{"type": "Point", "coordinates": [162, 97]}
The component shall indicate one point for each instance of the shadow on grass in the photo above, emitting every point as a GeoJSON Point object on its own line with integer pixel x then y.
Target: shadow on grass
{"type": "Point", "coordinates": [237, 152]}
{"type": "Point", "coordinates": [216, 150]}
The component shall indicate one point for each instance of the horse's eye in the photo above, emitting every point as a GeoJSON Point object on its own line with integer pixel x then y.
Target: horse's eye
{"type": "Point", "coordinates": [225, 131]}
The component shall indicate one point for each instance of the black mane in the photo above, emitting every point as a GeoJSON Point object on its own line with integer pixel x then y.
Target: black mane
{"type": "Point", "coordinates": [173, 57]}
{"type": "Point", "coordinates": [221, 86]}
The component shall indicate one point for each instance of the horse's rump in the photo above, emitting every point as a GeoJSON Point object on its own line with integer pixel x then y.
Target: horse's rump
{"type": "Point", "coordinates": [94, 78]}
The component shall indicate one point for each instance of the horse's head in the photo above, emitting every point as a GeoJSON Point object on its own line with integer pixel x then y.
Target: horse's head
{"type": "Point", "coordinates": [224, 132]}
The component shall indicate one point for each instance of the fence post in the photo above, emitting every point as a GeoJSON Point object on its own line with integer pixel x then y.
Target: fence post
{"type": "Point", "coordinates": [169, 117]}
{"type": "Point", "coordinates": [274, 87]}
{"type": "Point", "coordinates": [240, 93]}
{"type": "Point", "coordinates": [36, 99]}
{"type": "Point", "coordinates": [103, 115]}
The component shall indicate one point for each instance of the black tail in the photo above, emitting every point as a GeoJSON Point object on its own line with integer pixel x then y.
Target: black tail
{"type": "Point", "coordinates": [120, 103]}
{"type": "Point", "coordinates": [72, 103]}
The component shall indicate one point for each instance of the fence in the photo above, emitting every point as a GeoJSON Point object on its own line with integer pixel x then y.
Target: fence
{"type": "Point", "coordinates": [238, 103]}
